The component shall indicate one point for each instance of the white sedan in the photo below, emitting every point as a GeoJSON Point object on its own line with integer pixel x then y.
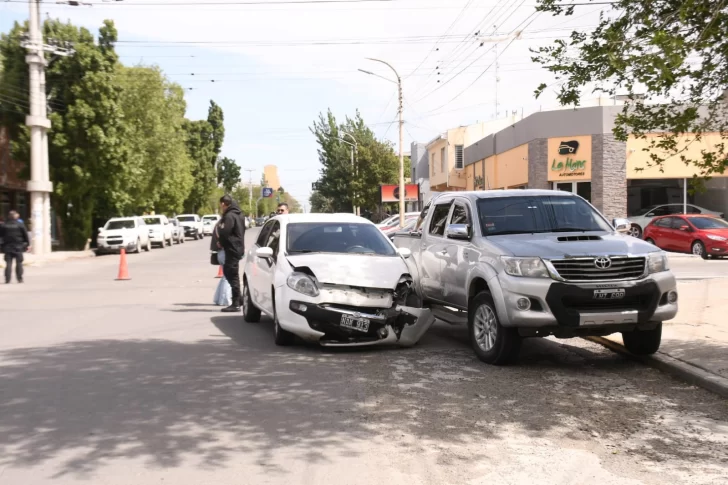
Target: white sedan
{"type": "Point", "coordinates": [334, 279]}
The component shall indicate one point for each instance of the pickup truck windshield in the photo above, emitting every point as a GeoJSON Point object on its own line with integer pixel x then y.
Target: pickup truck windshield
{"type": "Point", "coordinates": [334, 237]}
{"type": "Point", "coordinates": [186, 218]}
{"type": "Point", "coordinates": [153, 221]}
{"type": "Point", "coordinates": [537, 214]}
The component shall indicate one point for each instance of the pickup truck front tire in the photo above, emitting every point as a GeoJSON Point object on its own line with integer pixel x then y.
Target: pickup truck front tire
{"type": "Point", "coordinates": [491, 342]}
{"type": "Point", "coordinates": [643, 342]}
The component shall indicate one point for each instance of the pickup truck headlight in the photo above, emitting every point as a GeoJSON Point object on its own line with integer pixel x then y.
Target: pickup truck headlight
{"type": "Point", "coordinates": [657, 262]}
{"type": "Point", "coordinates": [717, 238]}
{"type": "Point", "coordinates": [303, 283]}
{"type": "Point", "coordinates": [527, 267]}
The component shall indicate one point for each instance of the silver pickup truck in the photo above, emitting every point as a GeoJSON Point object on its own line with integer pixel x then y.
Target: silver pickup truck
{"type": "Point", "coordinates": [534, 263]}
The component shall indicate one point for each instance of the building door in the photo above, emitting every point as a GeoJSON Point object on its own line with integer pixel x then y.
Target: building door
{"type": "Point", "coordinates": [582, 189]}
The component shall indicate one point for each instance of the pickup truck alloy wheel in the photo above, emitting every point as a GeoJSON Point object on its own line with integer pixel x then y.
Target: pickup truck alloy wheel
{"type": "Point", "coordinates": [643, 342]}
{"type": "Point", "coordinates": [485, 327]}
{"type": "Point", "coordinates": [250, 313]}
{"type": "Point", "coordinates": [491, 342]}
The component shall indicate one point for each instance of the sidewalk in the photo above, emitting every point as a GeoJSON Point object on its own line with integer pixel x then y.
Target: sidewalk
{"type": "Point", "coordinates": [56, 256]}
{"type": "Point", "coordinates": [695, 343]}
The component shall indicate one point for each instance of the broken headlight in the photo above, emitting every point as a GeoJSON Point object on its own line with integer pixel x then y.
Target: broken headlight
{"type": "Point", "coordinates": [303, 283]}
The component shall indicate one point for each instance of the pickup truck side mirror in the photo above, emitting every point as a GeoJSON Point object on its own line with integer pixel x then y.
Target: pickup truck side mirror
{"type": "Point", "coordinates": [622, 226]}
{"type": "Point", "coordinates": [458, 231]}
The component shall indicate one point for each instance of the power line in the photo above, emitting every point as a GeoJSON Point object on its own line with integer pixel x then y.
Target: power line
{"type": "Point", "coordinates": [245, 2]}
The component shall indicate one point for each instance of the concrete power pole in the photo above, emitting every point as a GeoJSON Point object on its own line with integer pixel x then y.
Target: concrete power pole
{"type": "Point", "coordinates": [39, 186]}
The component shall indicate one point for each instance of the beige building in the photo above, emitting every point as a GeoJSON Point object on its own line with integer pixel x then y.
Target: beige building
{"type": "Point", "coordinates": [270, 173]}
{"type": "Point", "coordinates": [446, 153]}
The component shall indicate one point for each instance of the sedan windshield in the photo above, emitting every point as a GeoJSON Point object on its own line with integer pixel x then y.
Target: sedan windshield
{"type": "Point", "coordinates": [709, 223]}
{"type": "Point", "coordinates": [337, 237]}
{"type": "Point", "coordinates": [112, 225]}
{"type": "Point", "coordinates": [538, 214]}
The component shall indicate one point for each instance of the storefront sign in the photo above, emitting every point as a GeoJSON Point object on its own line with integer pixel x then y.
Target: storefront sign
{"type": "Point", "coordinates": [569, 159]}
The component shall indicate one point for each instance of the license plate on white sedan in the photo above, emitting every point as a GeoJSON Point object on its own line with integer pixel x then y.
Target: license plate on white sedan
{"type": "Point", "coordinates": [615, 294]}
{"type": "Point", "coordinates": [360, 324]}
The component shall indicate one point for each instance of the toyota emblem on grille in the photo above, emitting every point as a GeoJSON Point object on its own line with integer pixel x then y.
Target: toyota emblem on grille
{"type": "Point", "coordinates": [603, 263]}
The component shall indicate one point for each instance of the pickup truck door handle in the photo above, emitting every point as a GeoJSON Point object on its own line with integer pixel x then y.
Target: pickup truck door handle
{"type": "Point", "coordinates": [444, 251]}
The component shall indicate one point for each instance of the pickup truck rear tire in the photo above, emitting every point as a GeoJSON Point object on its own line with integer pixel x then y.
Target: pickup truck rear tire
{"type": "Point", "coordinates": [643, 342]}
{"type": "Point", "coordinates": [491, 342]}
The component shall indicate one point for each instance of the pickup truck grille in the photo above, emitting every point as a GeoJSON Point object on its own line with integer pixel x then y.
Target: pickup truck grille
{"type": "Point", "coordinates": [589, 269]}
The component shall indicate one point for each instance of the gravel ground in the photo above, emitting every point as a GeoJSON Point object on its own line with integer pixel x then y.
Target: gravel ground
{"type": "Point", "coordinates": [145, 382]}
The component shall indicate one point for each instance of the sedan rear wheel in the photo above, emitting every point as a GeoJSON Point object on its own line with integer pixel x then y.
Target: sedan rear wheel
{"type": "Point", "coordinates": [635, 231]}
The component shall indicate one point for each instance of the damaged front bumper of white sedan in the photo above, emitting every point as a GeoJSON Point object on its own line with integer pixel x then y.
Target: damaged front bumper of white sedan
{"type": "Point", "coordinates": [346, 317]}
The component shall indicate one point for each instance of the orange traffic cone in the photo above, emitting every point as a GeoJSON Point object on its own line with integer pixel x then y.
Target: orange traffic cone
{"type": "Point", "coordinates": [219, 272]}
{"type": "Point", "coordinates": [123, 270]}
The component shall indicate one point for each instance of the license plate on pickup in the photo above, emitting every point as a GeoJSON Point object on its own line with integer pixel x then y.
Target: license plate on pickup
{"type": "Point", "coordinates": [614, 294]}
{"type": "Point", "coordinates": [360, 324]}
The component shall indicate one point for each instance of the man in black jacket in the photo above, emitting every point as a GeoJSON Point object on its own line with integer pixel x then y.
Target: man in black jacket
{"type": "Point", "coordinates": [231, 237]}
{"type": "Point", "coordinates": [15, 242]}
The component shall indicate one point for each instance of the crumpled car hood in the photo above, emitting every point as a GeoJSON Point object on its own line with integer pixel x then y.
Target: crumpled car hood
{"type": "Point", "coordinates": [548, 246]}
{"type": "Point", "coordinates": [353, 269]}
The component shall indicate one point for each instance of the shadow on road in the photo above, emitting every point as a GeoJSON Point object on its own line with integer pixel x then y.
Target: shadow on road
{"type": "Point", "coordinates": [83, 404]}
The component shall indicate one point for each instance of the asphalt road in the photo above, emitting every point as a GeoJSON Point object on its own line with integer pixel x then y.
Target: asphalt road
{"type": "Point", "coordinates": [145, 382]}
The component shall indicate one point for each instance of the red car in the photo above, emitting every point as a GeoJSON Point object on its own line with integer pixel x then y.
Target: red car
{"type": "Point", "coordinates": [702, 235]}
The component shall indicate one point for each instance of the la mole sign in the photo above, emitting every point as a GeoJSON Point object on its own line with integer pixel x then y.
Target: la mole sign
{"type": "Point", "coordinates": [570, 159]}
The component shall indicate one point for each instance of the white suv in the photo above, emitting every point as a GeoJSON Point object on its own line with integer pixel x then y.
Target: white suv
{"type": "Point", "coordinates": [160, 230]}
{"type": "Point", "coordinates": [208, 223]}
{"type": "Point", "coordinates": [192, 225]}
{"type": "Point", "coordinates": [129, 233]}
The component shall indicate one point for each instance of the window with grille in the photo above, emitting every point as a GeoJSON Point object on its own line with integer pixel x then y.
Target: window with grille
{"type": "Point", "coordinates": [459, 160]}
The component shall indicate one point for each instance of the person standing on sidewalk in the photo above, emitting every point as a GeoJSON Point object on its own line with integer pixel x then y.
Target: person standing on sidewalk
{"type": "Point", "coordinates": [15, 242]}
{"type": "Point", "coordinates": [223, 294]}
{"type": "Point", "coordinates": [231, 236]}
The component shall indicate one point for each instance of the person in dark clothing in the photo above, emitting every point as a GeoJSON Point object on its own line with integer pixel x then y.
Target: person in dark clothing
{"type": "Point", "coordinates": [231, 237]}
{"type": "Point", "coordinates": [15, 240]}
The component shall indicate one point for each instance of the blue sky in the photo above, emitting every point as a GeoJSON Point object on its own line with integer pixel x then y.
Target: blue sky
{"type": "Point", "coordinates": [276, 67]}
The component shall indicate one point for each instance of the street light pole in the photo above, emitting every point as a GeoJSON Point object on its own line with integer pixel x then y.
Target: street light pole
{"type": "Point", "coordinates": [402, 194]}
{"type": "Point", "coordinates": [354, 149]}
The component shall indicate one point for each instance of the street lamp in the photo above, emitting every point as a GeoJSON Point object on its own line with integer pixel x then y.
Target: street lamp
{"type": "Point", "coordinates": [401, 135]}
{"type": "Point", "coordinates": [354, 148]}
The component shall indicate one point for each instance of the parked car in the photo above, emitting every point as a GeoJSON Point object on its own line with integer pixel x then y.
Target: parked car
{"type": "Point", "coordinates": [259, 221]}
{"type": "Point", "coordinates": [643, 217]}
{"type": "Point", "coordinates": [192, 225]}
{"type": "Point", "coordinates": [334, 279]}
{"type": "Point", "coordinates": [393, 221]}
{"type": "Point", "coordinates": [208, 223]}
{"type": "Point", "coordinates": [408, 226]}
{"type": "Point", "coordinates": [178, 232]}
{"type": "Point", "coordinates": [532, 263]}
{"type": "Point", "coordinates": [129, 233]}
{"type": "Point", "coordinates": [160, 230]}
{"type": "Point", "coordinates": [703, 236]}
{"type": "Point", "coordinates": [248, 223]}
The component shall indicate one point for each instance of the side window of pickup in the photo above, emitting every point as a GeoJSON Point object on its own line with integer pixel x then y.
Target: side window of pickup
{"type": "Point", "coordinates": [439, 218]}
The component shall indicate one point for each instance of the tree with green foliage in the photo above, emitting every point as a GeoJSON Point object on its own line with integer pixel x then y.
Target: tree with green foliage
{"type": "Point", "coordinates": [228, 173]}
{"type": "Point", "coordinates": [375, 163]}
{"type": "Point", "coordinates": [319, 203]}
{"type": "Point", "coordinates": [158, 169]}
{"type": "Point", "coordinates": [669, 58]}
{"type": "Point", "coordinates": [201, 151]}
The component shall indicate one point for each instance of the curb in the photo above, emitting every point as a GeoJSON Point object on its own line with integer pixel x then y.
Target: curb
{"type": "Point", "coordinates": [670, 365]}
{"type": "Point", "coordinates": [28, 262]}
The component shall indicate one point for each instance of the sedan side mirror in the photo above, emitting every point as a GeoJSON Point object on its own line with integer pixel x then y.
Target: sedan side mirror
{"type": "Point", "coordinates": [458, 231]}
{"type": "Point", "coordinates": [264, 253]}
{"type": "Point", "coordinates": [622, 226]}
{"type": "Point", "coordinates": [404, 252]}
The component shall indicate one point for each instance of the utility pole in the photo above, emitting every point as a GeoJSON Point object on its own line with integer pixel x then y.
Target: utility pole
{"type": "Point", "coordinates": [39, 185]}
{"type": "Point", "coordinates": [402, 194]}
{"type": "Point", "coordinates": [250, 187]}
